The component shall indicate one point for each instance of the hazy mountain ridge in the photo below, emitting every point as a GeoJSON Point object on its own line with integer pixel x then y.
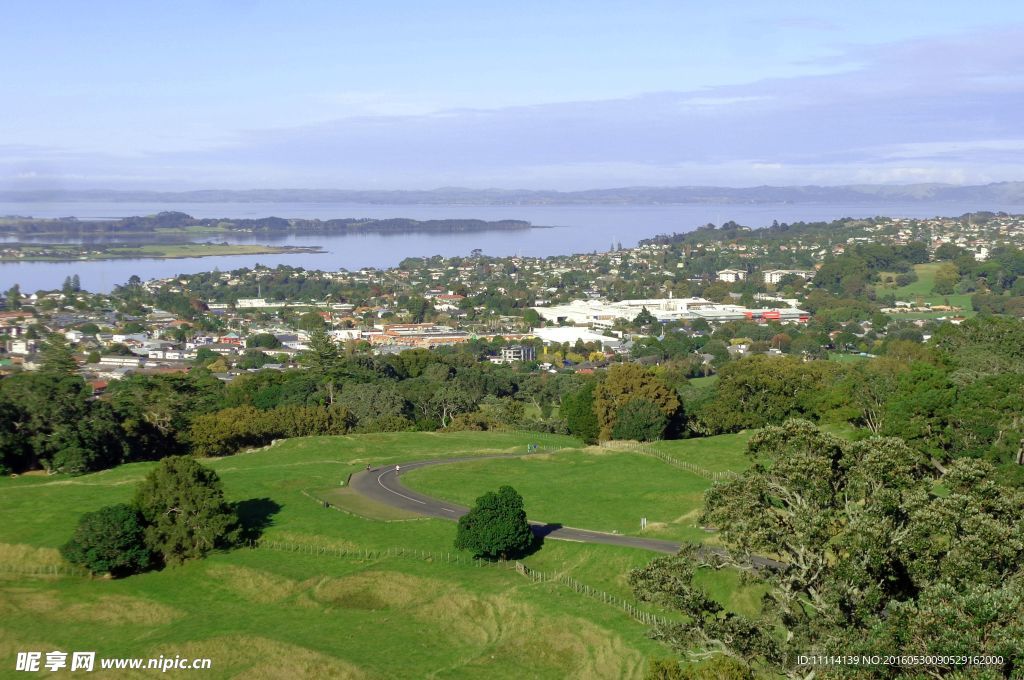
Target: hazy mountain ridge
{"type": "Point", "coordinates": [1001, 193]}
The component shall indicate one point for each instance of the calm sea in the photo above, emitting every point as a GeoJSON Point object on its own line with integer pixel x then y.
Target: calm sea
{"type": "Point", "coordinates": [572, 229]}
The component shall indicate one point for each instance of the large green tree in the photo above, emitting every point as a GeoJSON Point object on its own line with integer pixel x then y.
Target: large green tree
{"type": "Point", "coordinates": [578, 412]}
{"type": "Point", "coordinates": [874, 561]}
{"type": "Point", "coordinates": [624, 383]}
{"type": "Point", "coordinates": [761, 390]}
{"type": "Point", "coordinates": [641, 420]}
{"type": "Point", "coordinates": [495, 526]}
{"type": "Point", "coordinates": [183, 505]}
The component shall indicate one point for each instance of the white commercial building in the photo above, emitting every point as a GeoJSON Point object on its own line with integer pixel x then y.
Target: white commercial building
{"type": "Point", "coordinates": [774, 276]}
{"type": "Point", "coordinates": [571, 334]}
{"type": "Point", "coordinates": [603, 314]}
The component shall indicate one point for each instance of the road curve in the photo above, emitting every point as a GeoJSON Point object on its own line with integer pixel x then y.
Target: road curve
{"type": "Point", "coordinates": [382, 485]}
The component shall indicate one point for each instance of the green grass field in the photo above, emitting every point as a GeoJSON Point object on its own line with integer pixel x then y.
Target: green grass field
{"type": "Point", "coordinates": [267, 614]}
{"type": "Point", "coordinates": [595, 489]}
{"type": "Point", "coordinates": [922, 290]}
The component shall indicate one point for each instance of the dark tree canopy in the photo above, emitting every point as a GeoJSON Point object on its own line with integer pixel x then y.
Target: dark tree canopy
{"type": "Point", "coordinates": [641, 420]}
{"type": "Point", "coordinates": [578, 412]}
{"type": "Point", "coordinates": [110, 540]}
{"type": "Point", "coordinates": [496, 526]}
{"type": "Point", "coordinates": [875, 561]}
{"type": "Point", "coordinates": [183, 504]}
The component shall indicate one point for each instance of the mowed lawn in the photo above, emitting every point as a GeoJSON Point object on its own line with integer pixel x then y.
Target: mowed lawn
{"type": "Point", "coordinates": [594, 489]}
{"type": "Point", "coordinates": [726, 452]}
{"type": "Point", "coordinates": [262, 613]}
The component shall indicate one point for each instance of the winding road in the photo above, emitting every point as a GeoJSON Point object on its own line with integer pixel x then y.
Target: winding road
{"type": "Point", "coordinates": [383, 485]}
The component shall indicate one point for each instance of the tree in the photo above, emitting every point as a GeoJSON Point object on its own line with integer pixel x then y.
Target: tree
{"type": "Point", "coordinates": [368, 401]}
{"type": "Point", "coordinates": [57, 358]}
{"type": "Point", "coordinates": [762, 389]}
{"type": "Point", "coordinates": [311, 321]}
{"type": "Point", "coordinates": [626, 382]}
{"type": "Point", "coordinates": [872, 560]}
{"type": "Point", "coordinates": [496, 526]}
{"type": "Point", "coordinates": [532, 318]}
{"type": "Point", "coordinates": [578, 411]}
{"type": "Point", "coordinates": [110, 540]}
{"type": "Point", "coordinates": [183, 505]}
{"type": "Point", "coordinates": [644, 318]}
{"type": "Point", "coordinates": [13, 297]}
{"type": "Point", "coordinates": [323, 360]}
{"type": "Point", "coordinates": [946, 276]}
{"type": "Point", "coordinates": [267, 340]}
{"type": "Point", "coordinates": [448, 401]}
{"type": "Point", "coordinates": [419, 308]}
{"type": "Point", "coordinates": [641, 420]}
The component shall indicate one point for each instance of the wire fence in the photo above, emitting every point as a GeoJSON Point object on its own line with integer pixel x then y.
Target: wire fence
{"type": "Point", "coordinates": [43, 570]}
{"type": "Point", "coordinates": [631, 608]}
{"type": "Point", "coordinates": [627, 606]}
{"type": "Point", "coordinates": [648, 450]}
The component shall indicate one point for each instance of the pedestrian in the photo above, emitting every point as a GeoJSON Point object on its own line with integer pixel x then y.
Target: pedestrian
{"type": "Point", "coordinates": [397, 468]}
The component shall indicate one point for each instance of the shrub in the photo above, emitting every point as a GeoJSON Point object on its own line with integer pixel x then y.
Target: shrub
{"type": "Point", "coordinates": [110, 540]}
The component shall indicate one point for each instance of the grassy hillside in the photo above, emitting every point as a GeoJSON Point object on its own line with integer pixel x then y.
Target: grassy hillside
{"type": "Point", "coordinates": [264, 613]}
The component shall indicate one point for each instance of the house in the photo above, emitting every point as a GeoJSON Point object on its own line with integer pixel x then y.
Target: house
{"type": "Point", "coordinates": [22, 346]}
{"type": "Point", "coordinates": [122, 361]}
{"type": "Point", "coordinates": [731, 275]}
{"type": "Point", "coordinates": [514, 353]}
{"type": "Point", "coordinates": [774, 276]}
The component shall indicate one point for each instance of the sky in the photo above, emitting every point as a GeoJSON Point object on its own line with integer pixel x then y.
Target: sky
{"type": "Point", "coordinates": [540, 95]}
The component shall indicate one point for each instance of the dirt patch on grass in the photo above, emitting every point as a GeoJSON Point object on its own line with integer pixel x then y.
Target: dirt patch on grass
{"type": "Point", "coordinates": [252, 584]}
{"type": "Point", "coordinates": [473, 618]}
{"type": "Point", "coordinates": [259, 658]}
{"type": "Point", "coordinates": [511, 634]}
{"type": "Point", "coordinates": [690, 518]}
{"type": "Point", "coordinates": [314, 539]}
{"type": "Point", "coordinates": [120, 609]}
{"type": "Point", "coordinates": [516, 635]}
{"type": "Point", "coordinates": [373, 590]}
{"type": "Point", "coordinates": [108, 609]}
{"type": "Point", "coordinates": [20, 555]}
{"type": "Point", "coordinates": [11, 644]}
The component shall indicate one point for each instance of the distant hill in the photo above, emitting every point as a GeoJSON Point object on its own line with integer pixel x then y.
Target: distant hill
{"type": "Point", "coordinates": [1001, 193]}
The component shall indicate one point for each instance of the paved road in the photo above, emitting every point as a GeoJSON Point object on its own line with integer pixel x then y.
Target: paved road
{"type": "Point", "coordinates": [384, 486]}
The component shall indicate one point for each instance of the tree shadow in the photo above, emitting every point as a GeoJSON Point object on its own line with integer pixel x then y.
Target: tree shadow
{"type": "Point", "coordinates": [542, 530]}
{"type": "Point", "coordinates": [254, 516]}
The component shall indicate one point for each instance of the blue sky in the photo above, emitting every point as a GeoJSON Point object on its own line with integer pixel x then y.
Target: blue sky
{"type": "Point", "coordinates": [561, 95]}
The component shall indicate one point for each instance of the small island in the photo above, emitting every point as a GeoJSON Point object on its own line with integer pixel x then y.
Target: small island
{"type": "Point", "coordinates": [71, 252]}
{"type": "Point", "coordinates": [178, 224]}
